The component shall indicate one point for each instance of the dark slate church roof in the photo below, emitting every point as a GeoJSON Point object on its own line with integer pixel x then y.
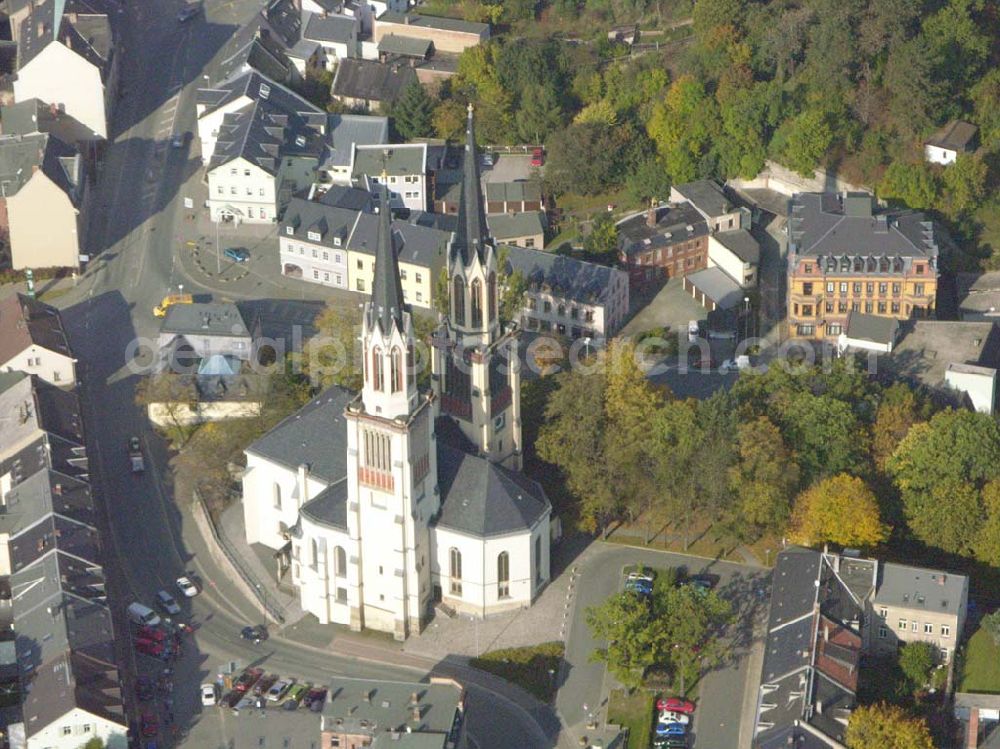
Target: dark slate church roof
{"type": "Point", "coordinates": [480, 497]}
{"type": "Point", "coordinates": [329, 507]}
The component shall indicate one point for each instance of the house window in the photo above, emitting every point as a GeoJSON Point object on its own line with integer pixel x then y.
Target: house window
{"type": "Point", "coordinates": [402, 274]}
{"type": "Point", "coordinates": [249, 212]}
{"type": "Point", "coordinates": [945, 630]}
{"type": "Point", "coordinates": [914, 626]}
{"type": "Point", "coordinates": [834, 330]}
{"type": "Point", "coordinates": [529, 243]}
{"type": "Point", "coordinates": [219, 190]}
{"type": "Point", "coordinates": [883, 612]}
{"type": "Point", "coordinates": [420, 297]}
{"type": "Point", "coordinates": [881, 308]}
{"type": "Point", "coordinates": [503, 575]}
{"type": "Point", "coordinates": [326, 255]}
{"type": "Point", "coordinates": [944, 654]}
{"type": "Point", "coordinates": [928, 628]}
{"type": "Point", "coordinates": [289, 230]}
{"type": "Point", "coordinates": [341, 598]}
{"type": "Point", "coordinates": [808, 268]}
{"type": "Point", "coordinates": [807, 310]}
{"type": "Point", "coordinates": [360, 284]}
{"type": "Point", "coordinates": [326, 276]}
{"type": "Point", "coordinates": [246, 172]}
{"type": "Point", "coordinates": [67, 730]}
{"type": "Point", "coordinates": [843, 287]}
{"type": "Point", "coordinates": [261, 192]}
{"type": "Point", "coordinates": [276, 492]}
{"type": "Point", "coordinates": [396, 369]}
{"type": "Point", "coordinates": [868, 308]}
{"type": "Point", "coordinates": [459, 296]}
{"type": "Point", "coordinates": [883, 633]}
{"type": "Point", "coordinates": [895, 289]}
{"type": "Point", "coordinates": [883, 288]}
{"type": "Point", "coordinates": [829, 306]}
{"type": "Point", "coordinates": [918, 289]}
{"type": "Point", "coordinates": [830, 286]}
{"type": "Point", "coordinates": [498, 423]}
{"type": "Point", "coordinates": [316, 274]}
{"type": "Point", "coordinates": [419, 278]}
{"type": "Point", "coordinates": [895, 308]}
{"type": "Point", "coordinates": [901, 625]}
{"type": "Point", "coordinates": [232, 190]}
{"type": "Point", "coordinates": [455, 571]}
{"type": "Point", "coordinates": [920, 268]}
{"type": "Point", "coordinates": [361, 265]}
{"type": "Point", "coordinates": [249, 191]}
{"type": "Point", "coordinates": [857, 289]}
{"type": "Point", "coordinates": [869, 288]}
{"type": "Point", "coordinates": [842, 308]}
{"type": "Point", "coordinates": [339, 562]}
{"type": "Point", "coordinates": [313, 553]}
{"type": "Point", "coordinates": [476, 305]}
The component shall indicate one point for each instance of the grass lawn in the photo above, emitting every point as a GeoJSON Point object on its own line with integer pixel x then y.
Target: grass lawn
{"type": "Point", "coordinates": [634, 712]}
{"type": "Point", "coordinates": [527, 667]}
{"type": "Point", "coordinates": [980, 667]}
{"type": "Point", "coordinates": [705, 541]}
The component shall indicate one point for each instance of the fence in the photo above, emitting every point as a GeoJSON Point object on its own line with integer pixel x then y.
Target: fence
{"type": "Point", "coordinates": [254, 585]}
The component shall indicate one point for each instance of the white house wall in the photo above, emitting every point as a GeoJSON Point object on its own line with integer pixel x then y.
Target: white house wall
{"type": "Point", "coordinates": [243, 187]}
{"type": "Point", "coordinates": [51, 366]}
{"type": "Point", "coordinates": [83, 726]}
{"type": "Point", "coordinates": [44, 226]}
{"type": "Point", "coordinates": [938, 155]}
{"type": "Point", "coordinates": [272, 498]}
{"type": "Point", "coordinates": [59, 76]}
{"type": "Point", "coordinates": [721, 256]}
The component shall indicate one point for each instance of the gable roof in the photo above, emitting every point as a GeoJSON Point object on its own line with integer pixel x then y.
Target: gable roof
{"type": "Point", "coordinates": [371, 81]}
{"type": "Point", "coordinates": [954, 136]}
{"type": "Point", "coordinates": [419, 245]}
{"type": "Point", "coordinates": [331, 222]}
{"type": "Point", "coordinates": [567, 277]}
{"type": "Point", "coordinates": [434, 22]}
{"type": "Point", "coordinates": [408, 158]}
{"type": "Point", "coordinates": [917, 588]}
{"type": "Point", "coordinates": [329, 507]}
{"type": "Point", "coordinates": [25, 321]}
{"type": "Point", "coordinates": [671, 227]}
{"type": "Point", "coordinates": [510, 225]}
{"type": "Point", "coordinates": [332, 28]}
{"type": "Point", "coordinates": [22, 155]}
{"type": "Point", "coordinates": [480, 497]}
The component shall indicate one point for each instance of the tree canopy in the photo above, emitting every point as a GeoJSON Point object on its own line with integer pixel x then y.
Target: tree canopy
{"type": "Point", "coordinates": [886, 727]}
{"type": "Point", "coordinates": [840, 509]}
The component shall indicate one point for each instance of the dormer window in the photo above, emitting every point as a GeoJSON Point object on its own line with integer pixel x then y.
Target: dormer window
{"type": "Point", "coordinates": [336, 241]}
{"type": "Point", "coordinates": [289, 230]}
{"type": "Point", "coordinates": [314, 236]}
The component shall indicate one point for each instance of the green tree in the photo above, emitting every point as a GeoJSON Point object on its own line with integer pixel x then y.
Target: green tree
{"type": "Point", "coordinates": [913, 184]}
{"type": "Point", "coordinates": [690, 623]}
{"type": "Point", "coordinates": [986, 100]}
{"type": "Point", "coordinates": [513, 286]}
{"type": "Point", "coordinates": [841, 510]}
{"type": "Point", "coordinates": [765, 478]}
{"type": "Point", "coordinates": [602, 241]}
{"type": "Point", "coordinates": [804, 141]}
{"type": "Point", "coordinates": [588, 158]}
{"type": "Point", "coordinates": [897, 412]}
{"type": "Point", "coordinates": [442, 293]}
{"type": "Point", "coordinates": [449, 119]}
{"type": "Point", "coordinates": [413, 113]}
{"type": "Point", "coordinates": [633, 636]}
{"type": "Point", "coordinates": [991, 623]}
{"type": "Point", "coordinates": [886, 727]}
{"type": "Point", "coordinates": [987, 546]}
{"type": "Point", "coordinates": [648, 181]}
{"type": "Point", "coordinates": [540, 113]}
{"type": "Point", "coordinates": [828, 435]}
{"type": "Point", "coordinates": [964, 184]}
{"type": "Point", "coordinates": [916, 661]}
{"type": "Point", "coordinates": [332, 356]}
{"type": "Point", "coordinates": [960, 39]}
{"type": "Point", "coordinates": [916, 96]}
{"type": "Point", "coordinates": [683, 126]}
{"type": "Point", "coordinates": [708, 15]}
{"type": "Point", "coordinates": [95, 743]}
{"type": "Point", "coordinates": [742, 149]}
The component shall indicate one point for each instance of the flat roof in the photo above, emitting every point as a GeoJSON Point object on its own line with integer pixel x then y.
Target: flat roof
{"type": "Point", "coordinates": [716, 284]}
{"type": "Point", "coordinates": [362, 705]}
{"type": "Point", "coordinates": [407, 158]}
{"type": "Point", "coordinates": [210, 318]}
{"type": "Point", "coordinates": [862, 327]}
{"type": "Point", "coordinates": [928, 347]}
{"type": "Point", "coordinates": [434, 22]}
{"type": "Point", "coordinates": [405, 46]}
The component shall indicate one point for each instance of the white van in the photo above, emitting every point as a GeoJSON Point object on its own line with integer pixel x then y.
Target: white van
{"type": "Point", "coordinates": [142, 615]}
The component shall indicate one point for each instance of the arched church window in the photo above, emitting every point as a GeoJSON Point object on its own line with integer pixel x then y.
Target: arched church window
{"type": "Point", "coordinates": [455, 571]}
{"type": "Point", "coordinates": [476, 299]}
{"type": "Point", "coordinates": [396, 370]}
{"type": "Point", "coordinates": [458, 299]}
{"type": "Point", "coordinates": [277, 495]}
{"type": "Point", "coordinates": [503, 575]}
{"type": "Point", "coordinates": [314, 554]}
{"type": "Point", "coordinates": [491, 290]}
{"type": "Point", "coordinates": [377, 382]}
{"type": "Point", "coordinates": [340, 561]}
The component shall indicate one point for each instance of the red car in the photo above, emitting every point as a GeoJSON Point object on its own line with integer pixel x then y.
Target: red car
{"type": "Point", "coordinates": [148, 647]}
{"type": "Point", "coordinates": [675, 705]}
{"type": "Point", "coordinates": [150, 726]}
{"type": "Point", "coordinates": [537, 157]}
{"type": "Point", "coordinates": [151, 633]}
{"type": "Point", "coordinates": [247, 679]}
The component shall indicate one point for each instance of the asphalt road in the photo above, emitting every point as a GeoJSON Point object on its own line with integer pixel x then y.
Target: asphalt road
{"type": "Point", "coordinates": [717, 722]}
{"type": "Point", "coordinates": [132, 239]}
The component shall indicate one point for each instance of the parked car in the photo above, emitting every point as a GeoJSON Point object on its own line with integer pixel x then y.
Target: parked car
{"type": "Point", "coordinates": [702, 583]}
{"type": "Point", "coordinates": [247, 679]}
{"type": "Point", "coordinates": [675, 704]}
{"type": "Point", "coordinates": [278, 689]}
{"type": "Point", "coordinates": [178, 140]}
{"type": "Point", "coordinates": [187, 13]}
{"type": "Point", "coordinates": [237, 254]}
{"type": "Point", "coordinates": [537, 157]}
{"type": "Point", "coordinates": [315, 697]}
{"type": "Point", "coordinates": [671, 717]}
{"type": "Point", "coordinates": [694, 330]}
{"type": "Point", "coordinates": [151, 633]}
{"type": "Point", "coordinates": [638, 584]}
{"type": "Point", "coordinates": [232, 699]}
{"type": "Point", "coordinates": [670, 729]}
{"type": "Point", "coordinates": [187, 586]}
{"type": "Point", "coordinates": [167, 603]}
{"type": "Point", "coordinates": [135, 455]}
{"type": "Point", "coordinates": [144, 689]}
{"type": "Point", "coordinates": [149, 725]}
{"type": "Point", "coordinates": [294, 696]}
{"type": "Point", "coordinates": [488, 158]}
{"type": "Point", "coordinates": [256, 635]}
{"type": "Point", "coordinates": [209, 695]}
{"type": "Point", "coordinates": [670, 742]}
{"type": "Point", "coordinates": [264, 684]}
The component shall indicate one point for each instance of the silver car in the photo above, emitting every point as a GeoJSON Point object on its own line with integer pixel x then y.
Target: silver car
{"type": "Point", "coordinates": [167, 603]}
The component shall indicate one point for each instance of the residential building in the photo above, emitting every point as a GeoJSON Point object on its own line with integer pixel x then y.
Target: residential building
{"type": "Point", "coordinates": [33, 116]}
{"type": "Point", "coordinates": [570, 297]}
{"type": "Point", "coordinates": [367, 85]}
{"type": "Point", "coordinates": [404, 167]}
{"type": "Point", "coordinates": [737, 253]}
{"type": "Point", "coordinates": [828, 611]}
{"type": "Point", "coordinates": [336, 35]}
{"type": "Point", "coordinates": [946, 144]}
{"type": "Point", "coordinates": [43, 189]}
{"type": "Point", "coordinates": [843, 257]}
{"type": "Point", "coordinates": [343, 133]}
{"type": "Point", "coordinates": [521, 229]}
{"type": "Point", "coordinates": [206, 329]}
{"type": "Point", "coordinates": [363, 712]}
{"type": "Point", "coordinates": [261, 143]}
{"type": "Point", "coordinates": [912, 604]}
{"type": "Point", "coordinates": [957, 360]}
{"type": "Point", "coordinates": [665, 242]}
{"type": "Point", "coordinates": [255, 48]}
{"type": "Point", "coordinates": [979, 296]}
{"type": "Point", "coordinates": [50, 562]}
{"type": "Point", "coordinates": [710, 200]}
{"type": "Point", "coordinates": [312, 240]}
{"type": "Point", "coordinates": [513, 197]}
{"type": "Point", "coordinates": [33, 340]}
{"type": "Point", "coordinates": [447, 34]}
{"type": "Point", "coordinates": [437, 471]}
{"type": "Point", "coordinates": [66, 56]}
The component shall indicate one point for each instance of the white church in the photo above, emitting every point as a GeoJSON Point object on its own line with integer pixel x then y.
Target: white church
{"type": "Point", "coordinates": [393, 498]}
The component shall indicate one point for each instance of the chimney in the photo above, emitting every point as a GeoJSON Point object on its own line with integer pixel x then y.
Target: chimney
{"type": "Point", "coordinates": [941, 580]}
{"type": "Point", "coordinates": [651, 213]}
{"type": "Point", "coordinates": [415, 712]}
{"type": "Point", "coordinates": [366, 695]}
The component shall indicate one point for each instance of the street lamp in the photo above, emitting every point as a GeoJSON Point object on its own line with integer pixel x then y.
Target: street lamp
{"type": "Point", "coordinates": [746, 317]}
{"type": "Point", "coordinates": [475, 622]}
{"type": "Point", "coordinates": [586, 347]}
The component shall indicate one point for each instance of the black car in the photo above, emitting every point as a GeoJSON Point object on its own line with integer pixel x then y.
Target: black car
{"type": "Point", "coordinates": [188, 12]}
{"type": "Point", "coordinates": [256, 634]}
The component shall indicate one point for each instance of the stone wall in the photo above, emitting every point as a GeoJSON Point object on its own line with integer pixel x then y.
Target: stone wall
{"type": "Point", "coordinates": [783, 180]}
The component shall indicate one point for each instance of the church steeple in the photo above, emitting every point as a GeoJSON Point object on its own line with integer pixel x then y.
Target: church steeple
{"type": "Point", "coordinates": [471, 238]}
{"type": "Point", "coordinates": [387, 290]}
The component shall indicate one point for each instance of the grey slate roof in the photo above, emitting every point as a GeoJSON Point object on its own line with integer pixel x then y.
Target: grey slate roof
{"type": "Point", "coordinates": [316, 434]}
{"type": "Point", "coordinates": [24, 322]}
{"type": "Point", "coordinates": [509, 225]}
{"type": "Point", "coordinates": [823, 224]}
{"type": "Point", "coordinates": [717, 285]}
{"type": "Point", "coordinates": [20, 155]}
{"type": "Point", "coordinates": [386, 306]}
{"type": "Point", "coordinates": [211, 318]}
{"type": "Point", "coordinates": [955, 136]}
{"type": "Point", "coordinates": [351, 198]}
{"type": "Point", "coordinates": [918, 588]}
{"type": "Point", "coordinates": [333, 28]}
{"type": "Point", "coordinates": [672, 222]}
{"type": "Point", "coordinates": [482, 498]}
{"type": "Point", "coordinates": [407, 159]}
{"type": "Point", "coordinates": [89, 35]}
{"type": "Point", "coordinates": [434, 22]}
{"type": "Point", "coordinates": [707, 196]}
{"type": "Point", "coordinates": [513, 192]}
{"type": "Point", "coordinates": [329, 507]}
{"type": "Point", "coordinates": [344, 131]}
{"type": "Point", "coordinates": [35, 116]}
{"type": "Point", "coordinates": [741, 243]}
{"type": "Point", "coordinates": [331, 222]}
{"type": "Point", "coordinates": [283, 18]}
{"type": "Point", "coordinates": [471, 236]}
{"type": "Point", "coordinates": [371, 81]}
{"type": "Point", "coordinates": [418, 245]}
{"type": "Point", "coordinates": [260, 52]}
{"type": "Point", "coordinates": [405, 46]}
{"type": "Point", "coordinates": [927, 347]}
{"type": "Point", "coordinates": [566, 276]}
{"type": "Point", "coordinates": [872, 328]}
{"type": "Point", "coordinates": [792, 592]}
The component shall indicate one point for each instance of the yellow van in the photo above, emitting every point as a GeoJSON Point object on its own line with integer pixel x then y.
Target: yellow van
{"type": "Point", "coordinates": [169, 300]}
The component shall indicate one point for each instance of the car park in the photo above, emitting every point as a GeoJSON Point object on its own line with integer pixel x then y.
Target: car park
{"type": "Point", "coordinates": [294, 696]}
{"type": "Point", "coordinates": [641, 586]}
{"type": "Point", "coordinates": [167, 603]}
{"type": "Point", "coordinates": [675, 704]}
{"type": "Point", "coordinates": [278, 690]}
{"type": "Point", "coordinates": [670, 742]}
{"type": "Point", "coordinates": [186, 586]}
{"type": "Point", "coordinates": [237, 254]}
{"type": "Point", "coordinates": [670, 717]}
{"type": "Point", "coordinates": [264, 684]}
{"type": "Point", "coordinates": [209, 695]}
{"type": "Point", "coordinates": [316, 695]}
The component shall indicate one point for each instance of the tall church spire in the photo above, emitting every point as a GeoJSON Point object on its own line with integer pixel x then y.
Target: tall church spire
{"type": "Point", "coordinates": [470, 236]}
{"type": "Point", "coordinates": [387, 291]}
